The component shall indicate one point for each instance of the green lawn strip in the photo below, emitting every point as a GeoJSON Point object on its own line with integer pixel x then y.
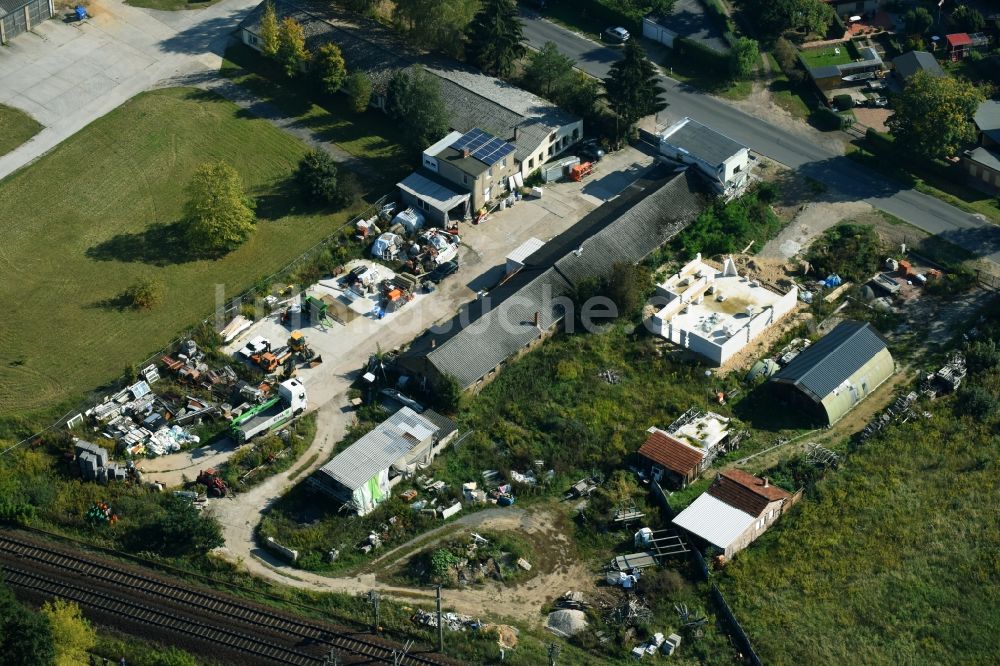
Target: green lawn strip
{"type": "Point", "coordinates": [371, 135]}
{"type": "Point", "coordinates": [824, 56]}
{"type": "Point", "coordinates": [16, 127]}
{"type": "Point", "coordinates": [97, 200]}
{"type": "Point", "coordinates": [785, 94]}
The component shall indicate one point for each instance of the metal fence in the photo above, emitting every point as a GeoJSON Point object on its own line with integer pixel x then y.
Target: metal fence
{"type": "Point", "coordinates": [221, 315]}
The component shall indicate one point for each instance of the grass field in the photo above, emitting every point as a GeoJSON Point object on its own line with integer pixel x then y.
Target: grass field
{"type": "Point", "coordinates": [828, 55]}
{"type": "Point", "coordinates": [16, 127]}
{"type": "Point", "coordinates": [91, 220]}
{"type": "Point", "coordinates": [893, 559]}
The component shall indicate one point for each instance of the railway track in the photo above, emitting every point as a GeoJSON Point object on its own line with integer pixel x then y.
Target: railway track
{"type": "Point", "coordinates": [42, 569]}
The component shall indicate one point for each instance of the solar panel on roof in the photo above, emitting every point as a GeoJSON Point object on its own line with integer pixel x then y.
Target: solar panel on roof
{"type": "Point", "coordinates": [484, 147]}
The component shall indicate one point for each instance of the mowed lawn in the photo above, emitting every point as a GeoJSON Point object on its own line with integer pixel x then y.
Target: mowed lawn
{"type": "Point", "coordinates": [16, 127]}
{"type": "Point", "coordinates": [115, 179]}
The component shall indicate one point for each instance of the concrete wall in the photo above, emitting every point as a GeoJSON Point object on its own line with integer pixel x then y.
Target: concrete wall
{"type": "Point", "coordinates": [859, 386]}
{"type": "Point", "coordinates": [656, 32]}
{"type": "Point", "coordinates": [767, 518]}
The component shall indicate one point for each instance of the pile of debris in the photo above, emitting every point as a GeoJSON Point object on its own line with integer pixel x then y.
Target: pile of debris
{"type": "Point", "coordinates": [451, 621]}
{"type": "Point", "coordinates": [947, 379]}
{"type": "Point", "coordinates": [566, 622]}
{"type": "Point", "coordinates": [898, 412]}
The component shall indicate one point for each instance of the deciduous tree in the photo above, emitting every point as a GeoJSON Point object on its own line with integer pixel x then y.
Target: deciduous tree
{"type": "Point", "coordinates": [967, 19]}
{"type": "Point", "coordinates": [71, 632]}
{"type": "Point", "coordinates": [269, 40]}
{"type": "Point", "coordinates": [292, 52]}
{"type": "Point", "coordinates": [632, 89]}
{"type": "Point", "coordinates": [358, 88]}
{"type": "Point", "coordinates": [918, 21]}
{"type": "Point", "coordinates": [414, 99]}
{"type": "Point", "coordinates": [436, 24]}
{"type": "Point", "coordinates": [329, 68]}
{"type": "Point", "coordinates": [218, 215]}
{"type": "Point", "coordinates": [933, 115]}
{"type": "Point", "coordinates": [25, 636]}
{"type": "Point", "coordinates": [548, 70]}
{"type": "Point", "coordinates": [494, 38]}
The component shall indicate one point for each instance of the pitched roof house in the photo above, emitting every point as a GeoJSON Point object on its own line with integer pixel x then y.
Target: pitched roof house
{"type": "Point", "coordinates": [982, 162]}
{"type": "Point", "coordinates": [512, 318]}
{"type": "Point", "coordinates": [912, 62]}
{"type": "Point", "coordinates": [538, 129]}
{"type": "Point", "coordinates": [677, 455]}
{"type": "Point", "coordinates": [830, 377]}
{"type": "Point", "coordinates": [736, 509]}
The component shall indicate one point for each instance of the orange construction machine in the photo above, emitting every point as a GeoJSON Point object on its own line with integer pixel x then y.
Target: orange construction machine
{"type": "Point", "coordinates": [578, 172]}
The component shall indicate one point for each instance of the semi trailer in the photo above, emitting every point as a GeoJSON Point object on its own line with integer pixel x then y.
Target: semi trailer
{"type": "Point", "coordinates": [272, 413]}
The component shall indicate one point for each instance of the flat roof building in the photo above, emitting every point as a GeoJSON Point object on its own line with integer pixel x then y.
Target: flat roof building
{"type": "Point", "coordinates": [716, 313]}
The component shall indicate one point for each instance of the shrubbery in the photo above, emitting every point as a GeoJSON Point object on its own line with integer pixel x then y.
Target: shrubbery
{"type": "Point", "coordinates": [729, 227]}
{"type": "Point", "coordinates": [852, 251]}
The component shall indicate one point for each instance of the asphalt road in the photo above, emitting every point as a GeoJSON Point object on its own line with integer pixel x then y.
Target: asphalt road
{"type": "Point", "coordinates": [844, 178]}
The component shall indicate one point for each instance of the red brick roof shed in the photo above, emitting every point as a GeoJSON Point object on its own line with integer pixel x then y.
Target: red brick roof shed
{"type": "Point", "coordinates": [672, 455]}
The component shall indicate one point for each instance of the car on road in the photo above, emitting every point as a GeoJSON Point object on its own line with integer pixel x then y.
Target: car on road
{"type": "Point", "coordinates": [443, 271]}
{"type": "Point", "coordinates": [590, 151]}
{"type": "Point", "coordinates": [617, 35]}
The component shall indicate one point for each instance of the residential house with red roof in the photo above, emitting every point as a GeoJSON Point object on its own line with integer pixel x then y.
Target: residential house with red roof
{"type": "Point", "coordinates": [736, 509]}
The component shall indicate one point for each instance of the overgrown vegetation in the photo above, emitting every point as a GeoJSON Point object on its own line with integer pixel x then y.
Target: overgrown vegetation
{"type": "Point", "coordinates": [462, 561]}
{"type": "Point", "coordinates": [852, 251]}
{"type": "Point", "coordinates": [730, 227]}
{"type": "Point", "coordinates": [877, 547]}
{"type": "Point", "coordinates": [268, 455]}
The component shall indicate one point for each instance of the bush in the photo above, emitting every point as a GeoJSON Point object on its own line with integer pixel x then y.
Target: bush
{"type": "Point", "coordinates": [852, 251]}
{"type": "Point", "coordinates": [145, 294]}
{"type": "Point", "coordinates": [787, 57]}
{"type": "Point", "coordinates": [358, 88]}
{"type": "Point", "coordinates": [843, 102]}
{"type": "Point", "coordinates": [828, 119]}
{"type": "Point", "coordinates": [320, 180]}
{"type": "Point", "coordinates": [729, 227]}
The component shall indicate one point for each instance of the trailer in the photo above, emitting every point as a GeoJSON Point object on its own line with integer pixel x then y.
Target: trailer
{"type": "Point", "coordinates": [275, 412]}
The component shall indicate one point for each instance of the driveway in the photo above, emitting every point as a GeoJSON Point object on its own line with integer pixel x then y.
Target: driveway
{"type": "Point", "coordinates": [66, 75]}
{"type": "Point", "coordinates": [804, 150]}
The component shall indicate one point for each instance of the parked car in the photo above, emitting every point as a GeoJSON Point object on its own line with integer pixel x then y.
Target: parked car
{"type": "Point", "coordinates": [878, 102]}
{"type": "Point", "coordinates": [442, 271]}
{"type": "Point", "coordinates": [618, 35]}
{"type": "Point", "coordinates": [590, 151]}
{"type": "Point", "coordinates": [875, 85]}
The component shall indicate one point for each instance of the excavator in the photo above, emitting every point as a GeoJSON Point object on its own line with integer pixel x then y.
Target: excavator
{"type": "Point", "coordinates": [297, 343]}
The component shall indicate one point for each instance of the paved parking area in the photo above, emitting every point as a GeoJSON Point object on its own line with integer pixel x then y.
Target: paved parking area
{"type": "Point", "coordinates": [67, 74]}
